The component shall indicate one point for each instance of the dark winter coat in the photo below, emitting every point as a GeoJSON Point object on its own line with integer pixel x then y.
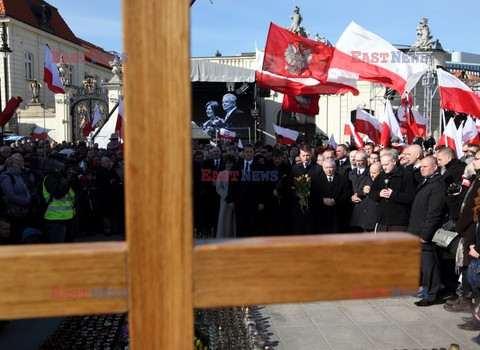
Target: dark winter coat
{"type": "Point", "coordinates": [428, 208]}
{"type": "Point", "coordinates": [394, 211]}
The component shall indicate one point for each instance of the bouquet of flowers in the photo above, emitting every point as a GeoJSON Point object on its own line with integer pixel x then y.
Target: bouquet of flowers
{"type": "Point", "coordinates": [302, 186]}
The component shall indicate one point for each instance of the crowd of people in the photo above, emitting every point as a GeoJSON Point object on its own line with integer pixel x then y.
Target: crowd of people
{"type": "Point", "coordinates": [55, 192]}
{"type": "Point", "coordinates": [264, 190]}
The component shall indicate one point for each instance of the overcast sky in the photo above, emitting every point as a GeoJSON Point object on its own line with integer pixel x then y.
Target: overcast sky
{"type": "Point", "coordinates": [235, 26]}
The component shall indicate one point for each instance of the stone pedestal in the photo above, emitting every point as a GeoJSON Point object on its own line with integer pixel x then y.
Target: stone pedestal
{"type": "Point", "coordinates": [33, 115]}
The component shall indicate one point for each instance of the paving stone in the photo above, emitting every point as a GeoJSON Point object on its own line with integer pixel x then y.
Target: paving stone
{"type": "Point", "coordinates": [430, 335]}
{"type": "Point", "coordinates": [399, 311]}
{"type": "Point", "coordinates": [389, 336]}
{"type": "Point", "coordinates": [289, 315]}
{"type": "Point", "coordinates": [302, 338]}
{"type": "Point", "coordinates": [326, 314]}
{"type": "Point", "coordinates": [362, 312]}
{"type": "Point", "coordinates": [346, 337]}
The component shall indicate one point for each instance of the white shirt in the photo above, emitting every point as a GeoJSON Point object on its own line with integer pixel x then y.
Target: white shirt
{"type": "Point", "coordinates": [229, 114]}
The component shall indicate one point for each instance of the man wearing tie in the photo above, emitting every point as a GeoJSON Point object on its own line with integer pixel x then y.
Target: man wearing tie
{"type": "Point", "coordinates": [247, 196]}
{"type": "Point", "coordinates": [343, 162]}
{"type": "Point", "coordinates": [334, 191]}
{"type": "Point", "coordinates": [358, 178]}
{"type": "Point", "coordinates": [302, 220]}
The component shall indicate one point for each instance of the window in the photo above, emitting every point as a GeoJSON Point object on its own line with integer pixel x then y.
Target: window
{"type": "Point", "coordinates": [70, 75]}
{"type": "Point", "coordinates": [28, 66]}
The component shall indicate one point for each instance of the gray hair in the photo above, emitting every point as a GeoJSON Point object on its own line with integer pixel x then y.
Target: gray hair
{"type": "Point", "coordinates": [329, 161]}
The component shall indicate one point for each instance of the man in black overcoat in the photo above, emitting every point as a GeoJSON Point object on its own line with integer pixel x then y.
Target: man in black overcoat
{"type": "Point", "coordinates": [426, 217]}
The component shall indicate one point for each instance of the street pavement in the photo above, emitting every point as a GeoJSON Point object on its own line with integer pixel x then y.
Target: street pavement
{"type": "Point", "coordinates": [392, 323]}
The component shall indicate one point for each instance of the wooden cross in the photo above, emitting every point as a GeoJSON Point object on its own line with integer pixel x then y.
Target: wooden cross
{"type": "Point", "coordinates": [165, 274]}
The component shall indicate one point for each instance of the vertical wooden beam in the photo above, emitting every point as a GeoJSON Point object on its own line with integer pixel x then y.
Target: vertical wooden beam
{"type": "Point", "coordinates": [158, 176]}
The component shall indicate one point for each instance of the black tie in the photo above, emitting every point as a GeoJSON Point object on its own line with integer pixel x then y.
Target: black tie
{"type": "Point", "coordinates": [359, 172]}
{"type": "Point", "coordinates": [247, 167]}
{"type": "Point", "coordinates": [330, 179]}
{"type": "Point", "coordinates": [216, 164]}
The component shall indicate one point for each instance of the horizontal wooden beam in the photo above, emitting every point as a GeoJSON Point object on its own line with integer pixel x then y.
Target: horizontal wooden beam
{"type": "Point", "coordinates": [235, 272]}
{"type": "Point", "coordinates": [62, 279]}
{"type": "Point", "coordinates": [308, 268]}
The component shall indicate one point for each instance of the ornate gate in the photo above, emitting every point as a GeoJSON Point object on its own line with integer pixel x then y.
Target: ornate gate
{"type": "Point", "coordinates": [83, 103]}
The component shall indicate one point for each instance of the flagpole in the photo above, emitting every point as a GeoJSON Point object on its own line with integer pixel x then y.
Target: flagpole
{"type": "Point", "coordinates": [444, 125]}
{"type": "Point", "coordinates": [45, 122]}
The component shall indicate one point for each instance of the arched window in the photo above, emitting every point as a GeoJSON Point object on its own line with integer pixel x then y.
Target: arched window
{"type": "Point", "coordinates": [28, 66]}
{"type": "Point", "coordinates": [70, 75]}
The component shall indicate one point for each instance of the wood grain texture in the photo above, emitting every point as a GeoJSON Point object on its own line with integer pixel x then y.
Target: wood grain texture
{"type": "Point", "coordinates": [299, 269]}
{"type": "Point", "coordinates": [158, 173]}
{"type": "Point", "coordinates": [31, 276]}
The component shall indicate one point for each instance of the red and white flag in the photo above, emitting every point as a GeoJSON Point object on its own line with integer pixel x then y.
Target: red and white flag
{"type": "Point", "coordinates": [368, 125]}
{"type": "Point", "coordinates": [419, 119]}
{"type": "Point", "coordinates": [349, 129]}
{"type": "Point", "coordinates": [90, 126]}
{"type": "Point", "coordinates": [452, 137]}
{"type": "Point", "coordinates": [305, 104]}
{"type": "Point", "coordinates": [120, 119]}
{"type": "Point", "coordinates": [9, 110]}
{"type": "Point", "coordinates": [295, 86]}
{"type": "Point", "coordinates": [362, 55]}
{"type": "Point", "coordinates": [292, 55]}
{"type": "Point", "coordinates": [456, 95]}
{"type": "Point", "coordinates": [390, 127]}
{"type": "Point", "coordinates": [51, 75]}
{"type": "Point", "coordinates": [40, 133]}
{"type": "Point", "coordinates": [285, 136]}
{"type": "Point", "coordinates": [477, 124]}
{"type": "Point", "coordinates": [227, 135]}
{"type": "Point", "coordinates": [470, 132]}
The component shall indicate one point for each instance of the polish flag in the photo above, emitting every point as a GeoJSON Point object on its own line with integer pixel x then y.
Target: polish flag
{"type": "Point", "coordinates": [9, 110]}
{"type": "Point", "coordinates": [305, 104]}
{"type": "Point", "coordinates": [90, 126]}
{"type": "Point", "coordinates": [296, 86]}
{"type": "Point", "coordinates": [362, 55]}
{"type": "Point", "coordinates": [350, 130]}
{"type": "Point", "coordinates": [470, 132]}
{"type": "Point", "coordinates": [285, 136]}
{"type": "Point", "coordinates": [456, 96]}
{"type": "Point", "coordinates": [419, 119]}
{"type": "Point", "coordinates": [390, 127]}
{"type": "Point", "coordinates": [227, 135]}
{"type": "Point", "coordinates": [368, 125]}
{"type": "Point", "coordinates": [477, 124]}
{"type": "Point", "coordinates": [40, 133]}
{"type": "Point", "coordinates": [51, 75]}
{"type": "Point", "coordinates": [332, 142]}
{"type": "Point", "coordinates": [120, 119]}
{"type": "Point", "coordinates": [452, 137]}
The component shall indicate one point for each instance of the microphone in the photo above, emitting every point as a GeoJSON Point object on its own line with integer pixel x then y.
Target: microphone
{"type": "Point", "coordinates": [387, 181]}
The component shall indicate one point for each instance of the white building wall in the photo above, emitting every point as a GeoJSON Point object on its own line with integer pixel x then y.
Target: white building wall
{"type": "Point", "coordinates": [23, 38]}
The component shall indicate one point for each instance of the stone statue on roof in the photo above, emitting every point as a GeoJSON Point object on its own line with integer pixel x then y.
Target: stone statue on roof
{"type": "Point", "coordinates": [320, 39]}
{"type": "Point", "coordinates": [423, 36]}
{"type": "Point", "coordinates": [295, 27]}
{"type": "Point", "coordinates": [117, 67]}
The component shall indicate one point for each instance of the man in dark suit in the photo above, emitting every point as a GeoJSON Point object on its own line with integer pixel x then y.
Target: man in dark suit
{"type": "Point", "coordinates": [246, 194]}
{"type": "Point", "coordinates": [425, 219]}
{"type": "Point", "coordinates": [211, 167]}
{"type": "Point", "coordinates": [302, 217]}
{"type": "Point", "coordinates": [359, 178]}
{"type": "Point", "coordinates": [334, 192]}
{"type": "Point", "coordinates": [235, 118]}
{"type": "Point", "coordinates": [342, 162]}
{"type": "Point", "coordinates": [413, 156]}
